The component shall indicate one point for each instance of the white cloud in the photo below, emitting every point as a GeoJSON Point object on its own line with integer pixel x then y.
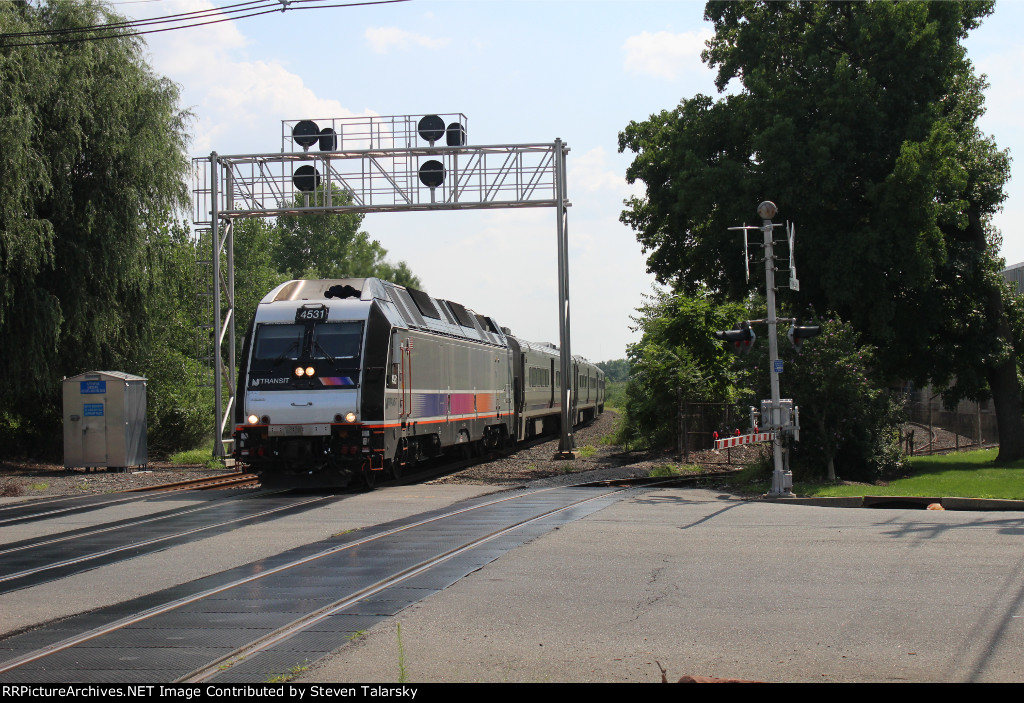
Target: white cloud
{"type": "Point", "coordinates": [663, 54]}
{"type": "Point", "coordinates": [592, 172]}
{"type": "Point", "coordinates": [383, 39]}
{"type": "Point", "coordinates": [239, 103]}
{"type": "Point", "coordinates": [253, 102]}
{"type": "Point", "coordinates": [189, 50]}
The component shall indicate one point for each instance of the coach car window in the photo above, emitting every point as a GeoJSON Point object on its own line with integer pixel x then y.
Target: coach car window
{"type": "Point", "coordinates": [278, 342]}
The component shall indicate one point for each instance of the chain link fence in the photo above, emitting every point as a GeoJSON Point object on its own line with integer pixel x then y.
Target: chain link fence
{"type": "Point", "coordinates": [698, 423]}
{"type": "Point", "coordinates": [932, 428]}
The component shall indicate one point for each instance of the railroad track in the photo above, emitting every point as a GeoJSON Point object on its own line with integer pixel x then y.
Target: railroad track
{"type": "Point", "coordinates": [219, 482]}
{"type": "Point", "coordinates": [281, 610]}
{"type": "Point", "coordinates": [40, 560]}
{"type": "Point", "coordinates": [29, 511]}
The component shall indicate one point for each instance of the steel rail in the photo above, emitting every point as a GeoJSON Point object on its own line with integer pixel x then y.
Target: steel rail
{"type": "Point", "coordinates": [180, 485]}
{"type": "Point", "coordinates": [180, 602]}
{"type": "Point", "coordinates": [219, 481]}
{"type": "Point", "coordinates": [43, 541]}
{"type": "Point", "coordinates": [155, 540]}
{"type": "Point", "coordinates": [299, 624]}
{"type": "Point", "coordinates": [57, 511]}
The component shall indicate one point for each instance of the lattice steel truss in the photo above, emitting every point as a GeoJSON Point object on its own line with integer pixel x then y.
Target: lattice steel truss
{"type": "Point", "coordinates": [371, 164]}
{"type": "Point", "coordinates": [376, 180]}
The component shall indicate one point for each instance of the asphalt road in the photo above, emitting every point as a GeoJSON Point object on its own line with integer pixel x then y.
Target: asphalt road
{"type": "Point", "coordinates": [709, 585]}
{"type": "Point", "coordinates": [701, 582]}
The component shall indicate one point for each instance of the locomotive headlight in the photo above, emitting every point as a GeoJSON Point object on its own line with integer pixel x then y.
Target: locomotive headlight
{"type": "Point", "coordinates": [253, 419]}
{"type": "Point", "coordinates": [299, 371]}
{"type": "Point", "coordinates": [310, 371]}
{"type": "Point", "coordinates": [350, 417]}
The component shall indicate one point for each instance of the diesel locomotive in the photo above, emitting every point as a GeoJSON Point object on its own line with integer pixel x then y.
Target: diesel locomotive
{"type": "Point", "coordinates": [351, 379]}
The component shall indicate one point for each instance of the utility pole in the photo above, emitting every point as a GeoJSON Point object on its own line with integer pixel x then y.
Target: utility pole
{"type": "Point", "coordinates": [782, 479]}
{"type": "Point", "coordinates": [781, 415]}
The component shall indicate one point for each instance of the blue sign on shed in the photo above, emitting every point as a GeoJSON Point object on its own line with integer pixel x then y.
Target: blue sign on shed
{"type": "Point", "coordinates": [92, 409]}
{"type": "Point", "coordinates": [89, 387]}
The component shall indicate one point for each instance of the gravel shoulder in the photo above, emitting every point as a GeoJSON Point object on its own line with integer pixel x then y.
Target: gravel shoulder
{"type": "Point", "coordinates": [30, 479]}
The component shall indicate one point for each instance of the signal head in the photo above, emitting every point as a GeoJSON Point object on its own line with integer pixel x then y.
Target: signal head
{"type": "Point", "coordinates": [798, 334]}
{"type": "Point", "coordinates": [741, 337]}
{"type": "Point", "coordinates": [306, 133]}
{"type": "Point", "coordinates": [767, 210]}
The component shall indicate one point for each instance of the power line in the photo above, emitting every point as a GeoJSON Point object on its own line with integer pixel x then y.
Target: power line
{"type": "Point", "coordinates": [196, 14]}
{"type": "Point", "coordinates": [238, 11]}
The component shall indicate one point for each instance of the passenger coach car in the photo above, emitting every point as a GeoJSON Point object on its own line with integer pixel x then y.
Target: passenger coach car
{"type": "Point", "coordinates": [348, 378]}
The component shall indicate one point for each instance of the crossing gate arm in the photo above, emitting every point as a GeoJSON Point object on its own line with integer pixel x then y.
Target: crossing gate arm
{"type": "Point", "coordinates": [744, 439]}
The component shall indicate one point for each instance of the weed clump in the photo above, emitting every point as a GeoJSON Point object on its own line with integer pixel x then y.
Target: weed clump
{"type": "Point", "coordinates": [11, 489]}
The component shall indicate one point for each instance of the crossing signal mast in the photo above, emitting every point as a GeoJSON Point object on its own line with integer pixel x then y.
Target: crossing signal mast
{"type": "Point", "coordinates": [781, 416]}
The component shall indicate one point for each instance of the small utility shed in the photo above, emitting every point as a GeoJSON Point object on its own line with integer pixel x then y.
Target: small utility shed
{"type": "Point", "coordinates": [105, 420]}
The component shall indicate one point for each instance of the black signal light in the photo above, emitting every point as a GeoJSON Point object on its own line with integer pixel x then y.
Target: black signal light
{"type": "Point", "coordinates": [740, 338]}
{"type": "Point", "coordinates": [798, 334]}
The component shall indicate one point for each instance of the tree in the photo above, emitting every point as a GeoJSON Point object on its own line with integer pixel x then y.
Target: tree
{"type": "Point", "coordinates": [847, 415]}
{"type": "Point", "coordinates": [92, 161]}
{"type": "Point", "coordinates": [859, 121]}
{"type": "Point", "coordinates": [615, 369]}
{"type": "Point", "coordinates": [331, 246]}
{"type": "Point", "coordinates": [179, 401]}
{"type": "Point", "coordinates": [256, 270]}
{"type": "Point", "coordinates": [678, 353]}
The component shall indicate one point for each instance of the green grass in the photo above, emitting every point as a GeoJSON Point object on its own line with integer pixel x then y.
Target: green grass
{"type": "Point", "coordinates": [669, 470]}
{"type": "Point", "coordinates": [587, 451]}
{"type": "Point", "coordinates": [197, 456]}
{"type": "Point", "coordinates": [621, 436]}
{"type": "Point", "coordinates": [663, 471]}
{"type": "Point", "coordinates": [292, 673]}
{"type": "Point", "coordinates": [403, 672]}
{"type": "Point", "coordinates": [961, 475]}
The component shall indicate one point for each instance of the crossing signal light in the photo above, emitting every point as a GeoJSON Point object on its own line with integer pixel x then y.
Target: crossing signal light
{"type": "Point", "coordinates": [798, 334]}
{"type": "Point", "coordinates": [740, 338]}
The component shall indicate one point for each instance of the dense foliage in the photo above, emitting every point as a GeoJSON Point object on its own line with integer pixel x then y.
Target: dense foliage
{"type": "Point", "coordinates": [859, 121]}
{"type": "Point", "coordinates": [331, 246]}
{"type": "Point", "coordinates": [95, 272]}
{"type": "Point", "coordinates": [615, 369]}
{"type": "Point", "coordinates": [677, 358]}
{"type": "Point", "coordinates": [179, 404]}
{"type": "Point", "coordinates": [92, 161]}
{"type": "Point", "coordinates": [850, 423]}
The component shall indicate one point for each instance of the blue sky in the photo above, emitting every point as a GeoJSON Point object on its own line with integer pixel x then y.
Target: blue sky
{"type": "Point", "coordinates": [522, 72]}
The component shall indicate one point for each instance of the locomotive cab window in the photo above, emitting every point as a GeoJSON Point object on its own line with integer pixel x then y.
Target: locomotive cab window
{"type": "Point", "coordinates": [278, 342]}
{"type": "Point", "coordinates": [337, 340]}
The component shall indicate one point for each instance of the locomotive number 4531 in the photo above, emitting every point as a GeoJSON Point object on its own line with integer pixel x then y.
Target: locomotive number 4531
{"type": "Point", "coordinates": [317, 314]}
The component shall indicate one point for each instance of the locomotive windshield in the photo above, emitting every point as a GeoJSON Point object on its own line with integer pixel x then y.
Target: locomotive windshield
{"type": "Point", "coordinates": [336, 340]}
{"type": "Point", "coordinates": [327, 353]}
{"type": "Point", "coordinates": [278, 342]}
